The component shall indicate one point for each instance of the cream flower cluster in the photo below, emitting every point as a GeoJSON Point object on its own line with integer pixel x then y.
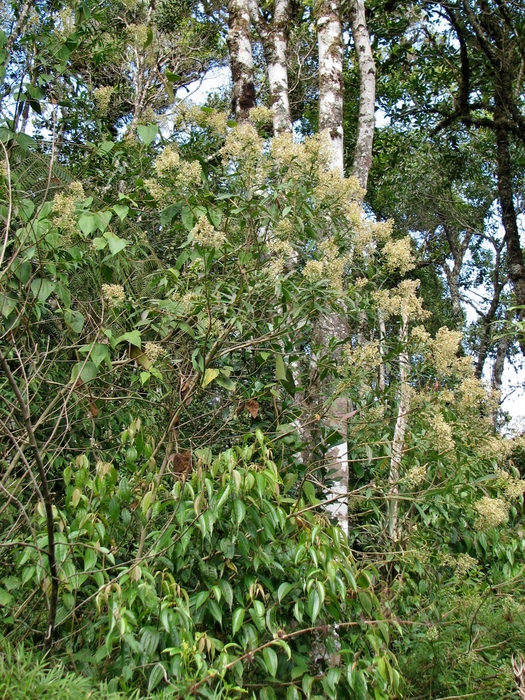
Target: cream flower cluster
{"type": "Point", "coordinates": [443, 439]}
{"type": "Point", "coordinates": [512, 488]}
{"type": "Point", "coordinates": [204, 234]}
{"type": "Point", "coordinates": [153, 351]}
{"type": "Point", "coordinates": [415, 476]}
{"type": "Point", "coordinates": [491, 513]}
{"type": "Point", "coordinates": [102, 96]}
{"type": "Point", "coordinates": [181, 173]}
{"type": "Point", "coordinates": [114, 294]}
{"type": "Point", "coordinates": [64, 205]}
{"type": "Point", "coordinates": [398, 255]}
{"type": "Point", "coordinates": [330, 267]}
{"type": "Point", "coordinates": [402, 301]}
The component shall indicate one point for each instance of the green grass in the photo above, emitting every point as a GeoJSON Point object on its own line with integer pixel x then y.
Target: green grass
{"type": "Point", "coordinates": [23, 676]}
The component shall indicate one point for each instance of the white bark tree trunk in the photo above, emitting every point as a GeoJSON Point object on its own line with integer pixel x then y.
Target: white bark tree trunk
{"type": "Point", "coordinates": [274, 39]}
{"type": "Point", "coordinates": [330, 44]}
{"type": "Point", "coordinates": [333, 326]}
{"type": "Point", "coordinates": [367, 94]}
{"type": "Point", "coordinates": [241, 58]}
{"type": "Point", "coordinates": [398, 440]}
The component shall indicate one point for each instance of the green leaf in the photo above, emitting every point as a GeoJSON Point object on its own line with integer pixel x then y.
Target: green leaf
{"type": "Point", "coordinates": [306, 683]}
{"type": "Point", "coordinates": [87, 223]}
{"type": "Point", "coordinates": [63, 293]}
{"type": "Point", "coordinates": [200, 599]}
{"type": "Point", "coordinates": [133, 338]}
{"type": "Point", "coordinates": [115, 243]}
{"type": "Point", "coordinates": [314, 604]}
{"type": "Point", "coordinates": [105, 147]}
{"type": "Point", "coordinates": [173, 77]}
{"type": "Point", "coordinates": [209, 375]}
{"type": "Point", "coordinates": [366, 601]}
{"type": "Point", "coordinates": [42, 288]}
{"type": "Point", "coordinates": [75, 320]}
{"type": "Point", "coordinates": [284, 375]}
{"type": "Point", "coordinates": [99, 354]}
{"type": "Point", "coordinates": [168, 214]}
{"type": "Point", "coordinates": [240, 511]}
{"type": "Point", "coordinates": [100, 243]}
{"type": "Point", "coordinates": [283, 590]}
{"type": "Point", "coordinates": [280, 369]}
{"type": "Point", "coordinates": [75, 497]}
{"type": "Point", "coordinates": [5, 598]}
{"type": "Point", "coordinates": [215, 217]}
{"type": "Point", "coordinates": [147, 501]}
{"type": "Point", "coordinates": [6, 134]}
{"type": "Point", "coordinates": [7, 303]}
{"type": "Point", "coordinates": [215, 610]}
{"type": "Point", "coordinates": [25, 141]}
{"type": "Point", "coordinates": [147, 133]}
{"type": "Point", "coordinates": [271, 661]}
{"type": "Point", "coordinates": [226, 383]}
{"type": "Point", "coordinates": [87, 371]}
{"type": "Point", "coordinates": [149, 38]}
{"type": "Point", "coordinates": [357, 682]}
{"type": "Point", "coordinates": [155, 676]}
{"type": "Point", "coordinates": [237, 619]}
{"type": "Point", "coordinates": [309, 492]}
{"type": "Point", "coordinates": [188, 219]}
{"type": "Point", "coordinates": [121, 210]}
{"type": "Point", "coordinates": [26, 209]}
{"type": "Point", "coordinates": [226, 590]}
{"type": "Point", "coordinates": [90, 559]}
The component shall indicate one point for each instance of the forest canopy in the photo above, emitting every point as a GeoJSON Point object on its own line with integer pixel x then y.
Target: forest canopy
{"type": "Point", "coordinates": [253, 350]}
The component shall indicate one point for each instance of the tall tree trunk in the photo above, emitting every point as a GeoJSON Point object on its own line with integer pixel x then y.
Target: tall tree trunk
{"type": "Point", "coordinates": [497, 373]}
{"type": "Point", "coordinates": [330, 44]}
{"type": "Point", "coordinates": [398, 440]}
{"type": "Point", "coordinates": [241, 58]}
{"type": "Point", "coordinates": [458, 248]}
{"type": "Point", "coordinates": [488, 318]}
{"type": "Point", "coordinates": [510, 224]}
{"type": "Point", "coordinates": [274, 39]}
{"type": "Point", "coordinates": [367, 94]}
{"type": "Point", "coordinates": [333, 326]}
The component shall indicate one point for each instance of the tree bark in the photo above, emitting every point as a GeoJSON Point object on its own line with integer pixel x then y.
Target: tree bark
{"type": "Point", "coordinates": [241, 58]}
{"type": "Point", "coordinates": [510, 224]}
{"type": "Point", "coordinates": [274, 39]}
{"type": "Point", "coordinates": [458, 249]}
{"type": "Point", "coordinates": [398, 440]}
{"type": "Point", "coordinates": [330, 45]}
{"type": "Point", "coordinates": [367, 94]}
{"type": "Point", "coordinates": [488, 318]}
{"type": "Point", "coordinates": [333, 326]}
{"type": "Point", "coordinates": [497, 374]}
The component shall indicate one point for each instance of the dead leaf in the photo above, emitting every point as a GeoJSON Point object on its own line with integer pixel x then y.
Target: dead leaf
{"type": "Point", "coordinates": [185, 385]}
{"type": "Point", "coordinates": [180, 463]}
{"type": "Point", "coordinates": [346, 416]}
{"type": "Point", "coordinates": [252, 406]}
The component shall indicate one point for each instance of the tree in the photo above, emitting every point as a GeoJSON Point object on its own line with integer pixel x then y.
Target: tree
{"type": "Point", "coordinates": [241, 60]}
{"type": "Point", "coordinates": [471, 49]}
{"type": "Point", "coordinates": [274, 34]}
{"type": "Point", "coordinates": [198, 322]}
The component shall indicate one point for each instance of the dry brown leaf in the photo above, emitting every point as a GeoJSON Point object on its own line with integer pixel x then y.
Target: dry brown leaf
{"type": "Point", "coordinates": [180, 463]}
